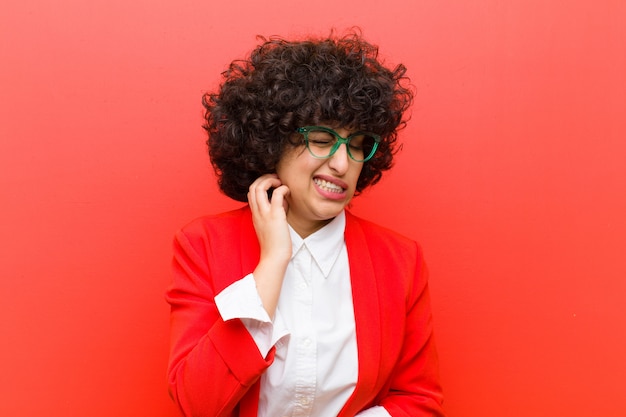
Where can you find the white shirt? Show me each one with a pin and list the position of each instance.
(315, 368)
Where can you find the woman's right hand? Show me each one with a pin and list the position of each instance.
(269, 217)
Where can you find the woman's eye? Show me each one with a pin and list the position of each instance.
(356, 143)
(323, 140)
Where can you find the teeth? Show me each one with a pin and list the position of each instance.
(328, 186)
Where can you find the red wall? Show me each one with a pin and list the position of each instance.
(513, 178)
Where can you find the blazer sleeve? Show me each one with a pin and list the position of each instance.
(213, 363)
(413, 388)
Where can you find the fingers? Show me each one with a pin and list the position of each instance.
(258, 197)
(257, 193)
(279, 197)
(270, 218)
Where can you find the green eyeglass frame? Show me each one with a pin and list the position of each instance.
(305, 130)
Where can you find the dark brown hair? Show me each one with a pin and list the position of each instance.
(284, 85)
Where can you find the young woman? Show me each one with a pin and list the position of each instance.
(292, 306)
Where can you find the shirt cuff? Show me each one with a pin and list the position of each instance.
(241, 300)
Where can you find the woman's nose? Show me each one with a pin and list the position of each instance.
(340, 160)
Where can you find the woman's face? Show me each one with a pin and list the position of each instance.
(319, 188)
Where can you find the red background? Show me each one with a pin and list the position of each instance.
(512, 176)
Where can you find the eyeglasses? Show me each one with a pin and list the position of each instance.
(322, 142)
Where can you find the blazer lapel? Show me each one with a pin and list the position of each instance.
(366, 314)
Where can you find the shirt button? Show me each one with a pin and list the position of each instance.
(306, 341)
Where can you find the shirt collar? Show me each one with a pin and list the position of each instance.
(324, 245)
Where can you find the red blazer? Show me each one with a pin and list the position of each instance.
(215, 366)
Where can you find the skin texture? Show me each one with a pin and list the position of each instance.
(298, 200)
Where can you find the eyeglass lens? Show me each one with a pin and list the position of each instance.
(322, 143)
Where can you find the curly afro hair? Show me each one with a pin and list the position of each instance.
(284, 85)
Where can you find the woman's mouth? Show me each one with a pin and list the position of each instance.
(328, 186)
